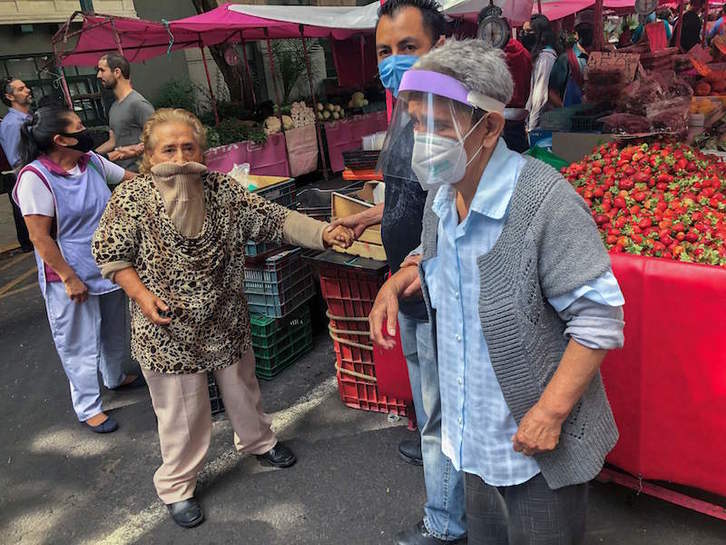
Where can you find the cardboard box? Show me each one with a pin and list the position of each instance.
(574, 146)
(369, 244)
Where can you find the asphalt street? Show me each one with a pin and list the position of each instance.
(61, 484)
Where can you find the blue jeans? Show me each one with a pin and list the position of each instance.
(444, 512)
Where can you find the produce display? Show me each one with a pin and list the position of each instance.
(358, 100)
(301, 114)
(713, 80)
(656, 102)
(330, 112)
(232, 130)
(663, 200)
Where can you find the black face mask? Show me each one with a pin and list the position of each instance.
(529, 40)
(85, 140)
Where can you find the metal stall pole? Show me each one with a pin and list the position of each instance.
(117, 39)
(363, 59)
(598, 30)
(681, 5)
(318, 131)
(243, 45)
(64, 82)
(209, 81)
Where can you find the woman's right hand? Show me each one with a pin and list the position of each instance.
(75, 288)
(150, 306)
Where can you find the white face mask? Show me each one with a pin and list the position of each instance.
(438, 160)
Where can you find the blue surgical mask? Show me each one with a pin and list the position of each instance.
(391, 70)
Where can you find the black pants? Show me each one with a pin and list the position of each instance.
(515, 135)
(20, 228)
(526, 514)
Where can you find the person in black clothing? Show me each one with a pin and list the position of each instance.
(690, 26)
(406, 30)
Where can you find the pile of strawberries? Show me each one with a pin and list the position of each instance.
(663, 200)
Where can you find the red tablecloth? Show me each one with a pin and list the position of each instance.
(347, 134)
(269, 159)
(667, 386)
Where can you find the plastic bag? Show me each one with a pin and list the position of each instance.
(241, 174)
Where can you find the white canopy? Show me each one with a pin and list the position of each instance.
(349, 18)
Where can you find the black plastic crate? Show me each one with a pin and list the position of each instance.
(283, 194)
(215, 395)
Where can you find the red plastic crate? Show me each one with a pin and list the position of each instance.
(360, 390)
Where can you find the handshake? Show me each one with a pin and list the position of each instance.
(338, 235)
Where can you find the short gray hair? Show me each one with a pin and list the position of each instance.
(479, 68)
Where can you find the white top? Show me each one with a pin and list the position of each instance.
(34, 197)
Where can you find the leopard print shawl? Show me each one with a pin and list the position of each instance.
(201, 278)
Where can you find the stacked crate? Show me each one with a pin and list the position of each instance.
(284, 194)
(350, 292)
(278, 291)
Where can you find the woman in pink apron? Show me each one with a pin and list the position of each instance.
(62, 192)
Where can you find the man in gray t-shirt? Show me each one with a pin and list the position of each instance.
(128, 113)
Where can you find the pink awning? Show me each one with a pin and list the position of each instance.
(142, 40)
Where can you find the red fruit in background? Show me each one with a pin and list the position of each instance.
(669, 199)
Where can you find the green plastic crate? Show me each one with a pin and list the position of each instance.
(268, 331)
(547, 157)
(268, 368)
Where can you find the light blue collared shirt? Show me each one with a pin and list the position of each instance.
(10, 135)
(477, 425)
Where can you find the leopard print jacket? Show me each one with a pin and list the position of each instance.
(201, 279)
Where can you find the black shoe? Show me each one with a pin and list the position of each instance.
(419, 535)
(410, 451)
(186, 513)
(278, 456)
(107, 426)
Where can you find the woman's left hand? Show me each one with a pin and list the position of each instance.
(539, 431)
(339, 236)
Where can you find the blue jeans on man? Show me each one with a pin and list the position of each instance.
(444, 512)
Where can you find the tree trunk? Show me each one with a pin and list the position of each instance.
(233, 75)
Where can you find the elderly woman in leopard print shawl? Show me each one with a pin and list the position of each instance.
(173, 239)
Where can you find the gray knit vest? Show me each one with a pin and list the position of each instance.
(549, 246)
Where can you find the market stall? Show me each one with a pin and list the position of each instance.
(140, 40)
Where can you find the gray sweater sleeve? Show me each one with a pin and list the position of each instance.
(595, 326)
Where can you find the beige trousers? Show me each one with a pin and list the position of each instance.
(181, 404)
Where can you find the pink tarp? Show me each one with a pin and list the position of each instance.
(269, 159)
(347, 134)
(142, 40)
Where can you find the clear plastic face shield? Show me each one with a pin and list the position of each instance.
(430, 139)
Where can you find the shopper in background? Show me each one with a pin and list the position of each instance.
(519, 62)
(406, 30)
(174, 241)
(128, 113)
(526, 305)
(62, 193)
(18, 98)
(719, 26)
(567, 78)
(539, 33)
(691, 25)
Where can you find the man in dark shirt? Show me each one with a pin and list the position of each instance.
(406, 30)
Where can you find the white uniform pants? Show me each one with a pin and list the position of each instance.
(89, 337)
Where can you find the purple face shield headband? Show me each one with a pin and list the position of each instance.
(427, 81)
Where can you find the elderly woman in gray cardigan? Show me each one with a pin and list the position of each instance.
(524, 302)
